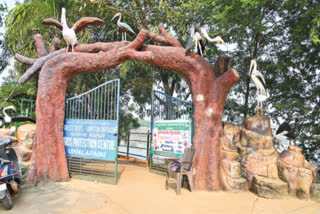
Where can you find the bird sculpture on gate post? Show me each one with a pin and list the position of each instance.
(69, 34)
(197, 40)
(7, 120)
(260, 83)
(125, 28)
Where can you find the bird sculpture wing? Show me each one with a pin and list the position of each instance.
(23, 119)
(202, 47)
(128, 28)
(260, 76)
(261, 79)
(190, 43)
(285, 127)
(85, 21)
(54, 22)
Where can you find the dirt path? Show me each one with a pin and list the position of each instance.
(141, 192)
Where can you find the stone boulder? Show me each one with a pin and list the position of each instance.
(230, 159)
(25, 136)
(7, 132)
(253, 162)
(257, 164)
(296, 171)
(269, 188)
(315, 191)
(258, 154)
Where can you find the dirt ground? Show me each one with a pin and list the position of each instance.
(142, 192)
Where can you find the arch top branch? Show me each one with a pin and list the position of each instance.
(44, 56)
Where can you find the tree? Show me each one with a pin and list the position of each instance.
(210, 92)
(282, 36)
(3, 53)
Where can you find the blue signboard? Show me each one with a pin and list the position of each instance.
(94, 139)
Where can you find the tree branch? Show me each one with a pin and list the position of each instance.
(228, 78)
(165, 39)
(221, 65)
(41, 48)
(37, 66)
(94, 48)
(139, 40)
(55, 45)
(24, 59)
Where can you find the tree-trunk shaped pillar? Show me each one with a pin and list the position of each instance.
(209, 87)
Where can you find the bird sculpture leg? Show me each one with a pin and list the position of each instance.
(125, 36)
(67, 48)
(200, 48)
(72, 46)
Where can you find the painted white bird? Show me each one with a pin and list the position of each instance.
(69, 34)
(197, 39)
(284, 134)
(6, 120)
(260, 99)
(260, 83)
(124, 27)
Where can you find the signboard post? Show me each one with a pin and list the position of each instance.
(93, 139)
(171, 137)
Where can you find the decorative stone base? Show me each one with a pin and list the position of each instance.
(254, 162)
(236, 184)
(315, 191)
(269, 188)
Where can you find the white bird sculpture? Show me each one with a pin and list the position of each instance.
(260, 99)
(124, 27)
(197, 39)
(6, 119)
(284, 134)
(260, 83)
(69, 34)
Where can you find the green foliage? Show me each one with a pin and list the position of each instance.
(4, 50)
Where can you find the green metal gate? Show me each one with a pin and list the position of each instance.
(165, 108)
(91, 133)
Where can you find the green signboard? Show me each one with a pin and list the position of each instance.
(171, 137)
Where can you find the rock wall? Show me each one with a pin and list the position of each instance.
(230, 159)
(25, 137)
(296, 171)
(249, 160)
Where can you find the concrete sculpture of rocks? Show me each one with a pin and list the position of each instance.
(254, 159)
(25, 136)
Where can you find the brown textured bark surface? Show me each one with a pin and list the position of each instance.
(209, 94)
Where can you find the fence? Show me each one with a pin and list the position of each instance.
(165, 107)
(137, 145)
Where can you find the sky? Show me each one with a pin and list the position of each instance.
(10, 4)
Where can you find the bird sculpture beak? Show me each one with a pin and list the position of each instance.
(251, 65)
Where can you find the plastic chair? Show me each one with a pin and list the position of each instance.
(186, 165)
